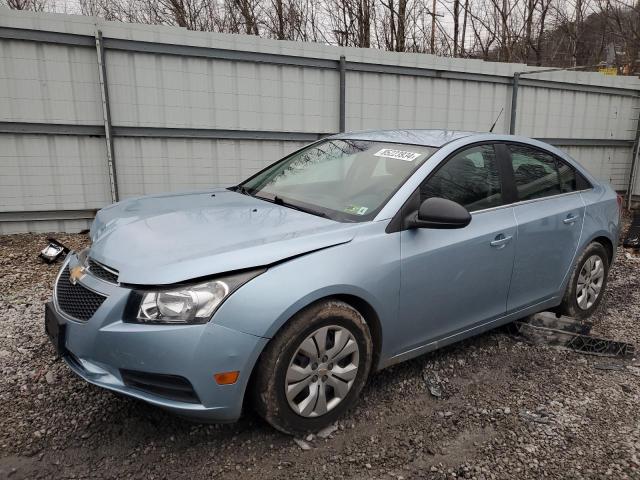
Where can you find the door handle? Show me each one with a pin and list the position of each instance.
(501, 240)
(570, 219)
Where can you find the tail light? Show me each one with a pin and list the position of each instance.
(620, 199)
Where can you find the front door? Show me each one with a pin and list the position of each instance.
(453, 280)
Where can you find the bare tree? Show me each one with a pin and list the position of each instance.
(569, 19)
(537, 45)
(464, 27)
(623, 26)
(397, 18)
(484, 28)
(544, 32)
(456, 26)
(248, 10)
(35, 5)
(350, 21)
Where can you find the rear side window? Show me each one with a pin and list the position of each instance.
(539, 174)
(469, 178)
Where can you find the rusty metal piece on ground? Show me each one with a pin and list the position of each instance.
(570, 333)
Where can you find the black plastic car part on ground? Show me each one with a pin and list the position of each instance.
(632, 240)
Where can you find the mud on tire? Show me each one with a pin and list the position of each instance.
(269, 388)
(570, 305)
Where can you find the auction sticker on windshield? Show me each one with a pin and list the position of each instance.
(397, 154)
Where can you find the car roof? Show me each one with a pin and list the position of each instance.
(430, 138)
(439, 138)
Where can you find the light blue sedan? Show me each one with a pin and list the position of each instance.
(354, 253)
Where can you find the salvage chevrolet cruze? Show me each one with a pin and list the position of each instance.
(352, 254)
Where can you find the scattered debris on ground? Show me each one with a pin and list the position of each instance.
(433, 384)
(506, 408)
(546, 327)
(326, 432)
(54, 250)
(632, 238)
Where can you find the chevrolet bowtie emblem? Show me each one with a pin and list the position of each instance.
(76, 273)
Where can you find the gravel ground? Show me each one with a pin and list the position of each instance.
(508, 409)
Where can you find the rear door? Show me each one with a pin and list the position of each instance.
(549, 213)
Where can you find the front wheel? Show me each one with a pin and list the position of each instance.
(587, 284)
(314, 369)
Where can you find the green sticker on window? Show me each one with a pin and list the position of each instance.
(356, 210)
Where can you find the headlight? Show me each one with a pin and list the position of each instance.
(187, 304)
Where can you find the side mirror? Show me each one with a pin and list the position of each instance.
(440, 213)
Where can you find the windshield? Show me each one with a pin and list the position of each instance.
(345, 180)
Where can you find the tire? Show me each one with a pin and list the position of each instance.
(571, 306)
(284, 362)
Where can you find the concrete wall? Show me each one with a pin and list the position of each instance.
(192, 109)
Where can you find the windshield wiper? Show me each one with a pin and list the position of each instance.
(243, 190)
(280, 201)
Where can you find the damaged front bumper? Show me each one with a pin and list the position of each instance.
(170, 366)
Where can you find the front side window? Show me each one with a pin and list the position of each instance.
(345, 180)
(539, 174)
(470, 178)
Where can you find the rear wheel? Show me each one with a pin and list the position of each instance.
(587, 284)
(314, 369)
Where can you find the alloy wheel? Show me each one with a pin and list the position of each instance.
(590, 282)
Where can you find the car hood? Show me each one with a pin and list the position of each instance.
(165, 239)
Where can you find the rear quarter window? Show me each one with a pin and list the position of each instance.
(540, 174)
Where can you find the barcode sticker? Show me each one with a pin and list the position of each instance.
(397, 154)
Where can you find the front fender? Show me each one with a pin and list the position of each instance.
(367, 267)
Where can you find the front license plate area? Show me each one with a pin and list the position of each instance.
(54, 328)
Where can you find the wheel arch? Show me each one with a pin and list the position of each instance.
(362, 306)
(372, 319)
(602, 237)
(607, 244)
(567, 304)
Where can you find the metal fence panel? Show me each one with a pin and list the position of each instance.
(194, 109)
(377, 101)
(171, 91)
(43, 226)
(48, 83)
(149, 165)
(52, 172)
(606, 163)
(545, 113)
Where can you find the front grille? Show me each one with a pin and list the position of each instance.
(103, 273)
(75, 300)
(171, 387)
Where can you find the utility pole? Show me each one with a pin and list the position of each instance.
(433, 28)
